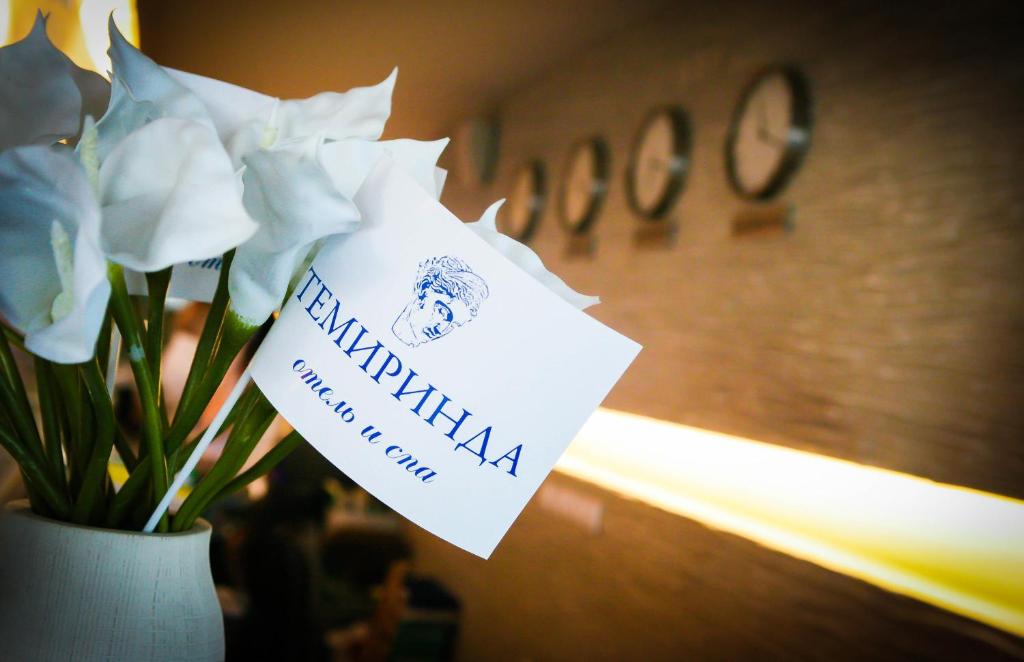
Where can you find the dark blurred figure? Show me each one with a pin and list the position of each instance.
(278, 563)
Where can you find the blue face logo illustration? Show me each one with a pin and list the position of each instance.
(446, 295)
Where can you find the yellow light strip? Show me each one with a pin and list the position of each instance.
(77, 27)
(950, 546)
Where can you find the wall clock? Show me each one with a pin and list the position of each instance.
(770, 133)
(583, 185)
(476, 151)
(520, 217)
(659, 162)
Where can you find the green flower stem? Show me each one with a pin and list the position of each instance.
(86, 427)
(15, 399)
(103, 341)
(96, 471)
(249, 397)
(271, 459)
(125, 450)
(180, 455)
(123, 501)
(243, 438)
(71, 420)
(152, 431)
(14, 448)
(127, 497)
(23, 424)
(157, 282)
(14, 338)
(37, 481)
(234, 334)
(133, 489)
(48, 411)
(209, 335)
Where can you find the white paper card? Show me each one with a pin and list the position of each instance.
(432, 370)
(193, 281)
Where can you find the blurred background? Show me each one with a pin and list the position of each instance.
(811, 215)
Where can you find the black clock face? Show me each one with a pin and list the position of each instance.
(520, 217)
(659, 163)
(770, 133)
(583, 186)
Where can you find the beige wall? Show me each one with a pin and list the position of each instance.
(885, 328)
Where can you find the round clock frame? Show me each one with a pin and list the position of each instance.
(598, 187)
(797, 139)
(533, 169)
(678, 167)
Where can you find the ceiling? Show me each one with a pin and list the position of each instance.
(456, 59)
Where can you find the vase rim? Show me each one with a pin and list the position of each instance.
(21, 508)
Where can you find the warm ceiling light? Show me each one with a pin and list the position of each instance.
(957, 548)
(77, 27)
(5, 25)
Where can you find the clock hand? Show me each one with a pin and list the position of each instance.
(766, 136)
(762, 115)
(763, 132)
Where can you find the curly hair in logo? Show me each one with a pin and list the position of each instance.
(446, 295)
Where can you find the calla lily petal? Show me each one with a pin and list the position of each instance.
(247, 120)
(169, 195)
(349, 161)
(298, 183)
(94, 90)
(231, 107)
(358, 113)
(440, 177)
(295, 202)
(49, 250)
(525, 258)
(146, 81)
(124, 114)
(43, 94)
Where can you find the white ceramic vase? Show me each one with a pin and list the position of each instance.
(79, 593)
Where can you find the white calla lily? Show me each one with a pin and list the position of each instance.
(44, 96)
(148, 82)
(348, 162)
(53, 274)
(292, 197)
(168, 189)
(152, 187)
(247, 120)
(301, 163)
(486, 228)
(141, 92)
(146, 207)
(167, 186)
(169, 195)
(301, 193)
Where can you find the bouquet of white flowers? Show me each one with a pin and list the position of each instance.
(177, 168)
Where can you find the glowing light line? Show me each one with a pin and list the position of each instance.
(950, 546)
